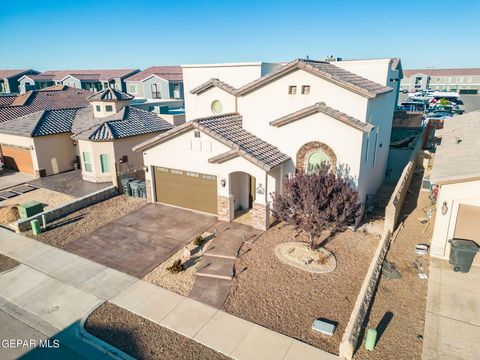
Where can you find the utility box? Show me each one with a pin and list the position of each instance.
(29, 209)
(462, 253)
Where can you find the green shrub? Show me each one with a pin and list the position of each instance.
(199, 240)
(176, 267)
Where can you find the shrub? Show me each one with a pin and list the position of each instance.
(317, 201)
(199, 240)
(176, 267)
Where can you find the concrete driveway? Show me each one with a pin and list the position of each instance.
(9, 178)
(141, 240)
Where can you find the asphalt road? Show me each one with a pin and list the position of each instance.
(472, 102)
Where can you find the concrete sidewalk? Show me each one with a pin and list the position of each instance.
(452, 324)
(60, 288)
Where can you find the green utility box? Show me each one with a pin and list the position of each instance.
(29, 209)
(462, 253)
(35, 227)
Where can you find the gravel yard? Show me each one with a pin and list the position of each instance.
(182, 282)
(7, 263)
(288, 300)
(81, 222)
(399, 304)
(142, 338)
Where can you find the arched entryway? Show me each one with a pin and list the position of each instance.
(313, 154)
(242, 188)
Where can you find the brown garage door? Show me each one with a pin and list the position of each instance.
(17, 158)
(186, 189)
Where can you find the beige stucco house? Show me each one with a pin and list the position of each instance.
(250, 125)
(98, 137)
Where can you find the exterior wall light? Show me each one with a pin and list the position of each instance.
(444, 208)
(223, 182)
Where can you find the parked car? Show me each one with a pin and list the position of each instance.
(2, 163)
(437, 119)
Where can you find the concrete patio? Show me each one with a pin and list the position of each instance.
(10, 178)
(452, 324)
(53, 289)
(70, 183)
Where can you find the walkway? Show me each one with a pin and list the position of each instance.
(55, 289)
(216, 267)
(452, 325)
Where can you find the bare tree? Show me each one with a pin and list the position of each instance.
(316, 202)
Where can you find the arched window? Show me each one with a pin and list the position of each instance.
(316, 159)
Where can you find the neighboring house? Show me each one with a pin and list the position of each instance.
(452, 326)
(157, 82)
(9, 79)
(456, 171)
(35, 82)
(100, 137)
(52, 98)
(92, 80)
(243, 139)
(464, 80)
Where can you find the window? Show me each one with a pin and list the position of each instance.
(306, 89)
(217, 107)
(87, 163)
(292, 89)
(104, 165)
(132, 88)
(196, 133)
(366, 147)
(316, 159)
(97, 108)
(469, 79)
(460, 79)
(375, 146)
(109, 108)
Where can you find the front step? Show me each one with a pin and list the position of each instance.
(216, 267)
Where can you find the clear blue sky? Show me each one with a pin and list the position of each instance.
(56, 34)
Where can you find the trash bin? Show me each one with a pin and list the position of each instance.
(462, 253)
(142, 189)
(134, 186)
(35, 227)
(126, 186)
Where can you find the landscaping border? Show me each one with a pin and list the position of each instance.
(65, 209)
(392, 213)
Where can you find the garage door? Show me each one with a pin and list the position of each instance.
(17, 158)
(186, 189)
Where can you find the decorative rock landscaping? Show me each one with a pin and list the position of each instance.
(300, 255)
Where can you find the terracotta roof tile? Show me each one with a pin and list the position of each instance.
(169, 73)
(109, 94)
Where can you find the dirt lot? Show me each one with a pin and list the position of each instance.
(79, 223)
(182, 282)
(142, 338)
(7, 263)
(287, 299)
(398, 311)
(48, 198)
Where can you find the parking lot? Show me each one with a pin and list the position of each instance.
(472, 102)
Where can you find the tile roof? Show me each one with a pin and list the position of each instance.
(211, 83)
(104, 75)
(85, 77)
(129, 121)
(324, 70)
(8, 73)
(109, 94)
(55, 97)
(323, 108)
(40, 77)
(40, 123)
(443, 72)
(227, 129)
(457, 158)
(169, 73)
(7, 99)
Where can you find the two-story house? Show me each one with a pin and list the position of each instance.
(93, 80)
(9, 79)
(253, 124)
(157, 82)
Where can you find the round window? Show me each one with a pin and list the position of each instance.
(316, 159)
(217, 107)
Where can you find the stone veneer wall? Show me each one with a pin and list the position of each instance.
(314, 145)
(225, 208)
(260, 216)
(148, 189)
